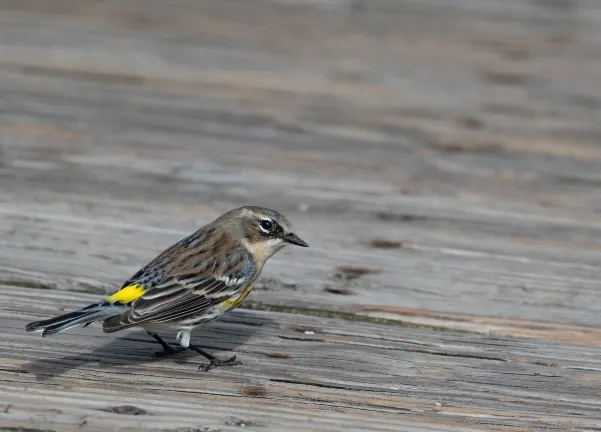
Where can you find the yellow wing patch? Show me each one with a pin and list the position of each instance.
(127, 294)
(232, 302)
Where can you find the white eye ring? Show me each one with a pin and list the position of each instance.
(266, 225)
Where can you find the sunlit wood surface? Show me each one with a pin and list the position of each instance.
(442, 159)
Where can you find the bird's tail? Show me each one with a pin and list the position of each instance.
(94, 312)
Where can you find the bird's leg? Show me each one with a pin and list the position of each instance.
(183, 338)
(213, 361)
(168, 349)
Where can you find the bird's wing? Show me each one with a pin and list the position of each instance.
(184, 296)
(178, 297)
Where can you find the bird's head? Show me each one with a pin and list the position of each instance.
(264, 231)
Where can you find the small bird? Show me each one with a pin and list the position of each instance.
(191, 283)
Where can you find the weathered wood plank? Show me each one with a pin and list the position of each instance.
(448, 148)
(362, 375)
(458, 257)
(140, 125)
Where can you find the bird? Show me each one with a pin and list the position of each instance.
(191, 283)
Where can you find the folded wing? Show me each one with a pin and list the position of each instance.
(177, 299)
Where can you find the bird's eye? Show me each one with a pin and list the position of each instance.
(266, 224)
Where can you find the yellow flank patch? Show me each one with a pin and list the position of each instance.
(232, 302)
(126, 294)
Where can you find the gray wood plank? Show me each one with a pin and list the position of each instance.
(448, 149)
(296, 369)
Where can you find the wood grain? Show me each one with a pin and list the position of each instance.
(334, 375)
(464, 133)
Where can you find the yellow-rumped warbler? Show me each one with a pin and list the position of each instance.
(191, 283)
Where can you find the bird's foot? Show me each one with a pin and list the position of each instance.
(215, 362)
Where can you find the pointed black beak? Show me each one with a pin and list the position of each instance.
(295, 240)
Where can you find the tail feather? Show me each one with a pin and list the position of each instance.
(85, 316)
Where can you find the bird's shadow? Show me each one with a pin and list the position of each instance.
(219, 338)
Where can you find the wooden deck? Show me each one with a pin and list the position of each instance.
(442, 159)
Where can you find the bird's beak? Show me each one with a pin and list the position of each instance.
(295, 240)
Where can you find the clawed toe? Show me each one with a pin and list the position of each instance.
(217, 362)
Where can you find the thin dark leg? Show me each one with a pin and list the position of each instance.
(168, 349)
(214, 361)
